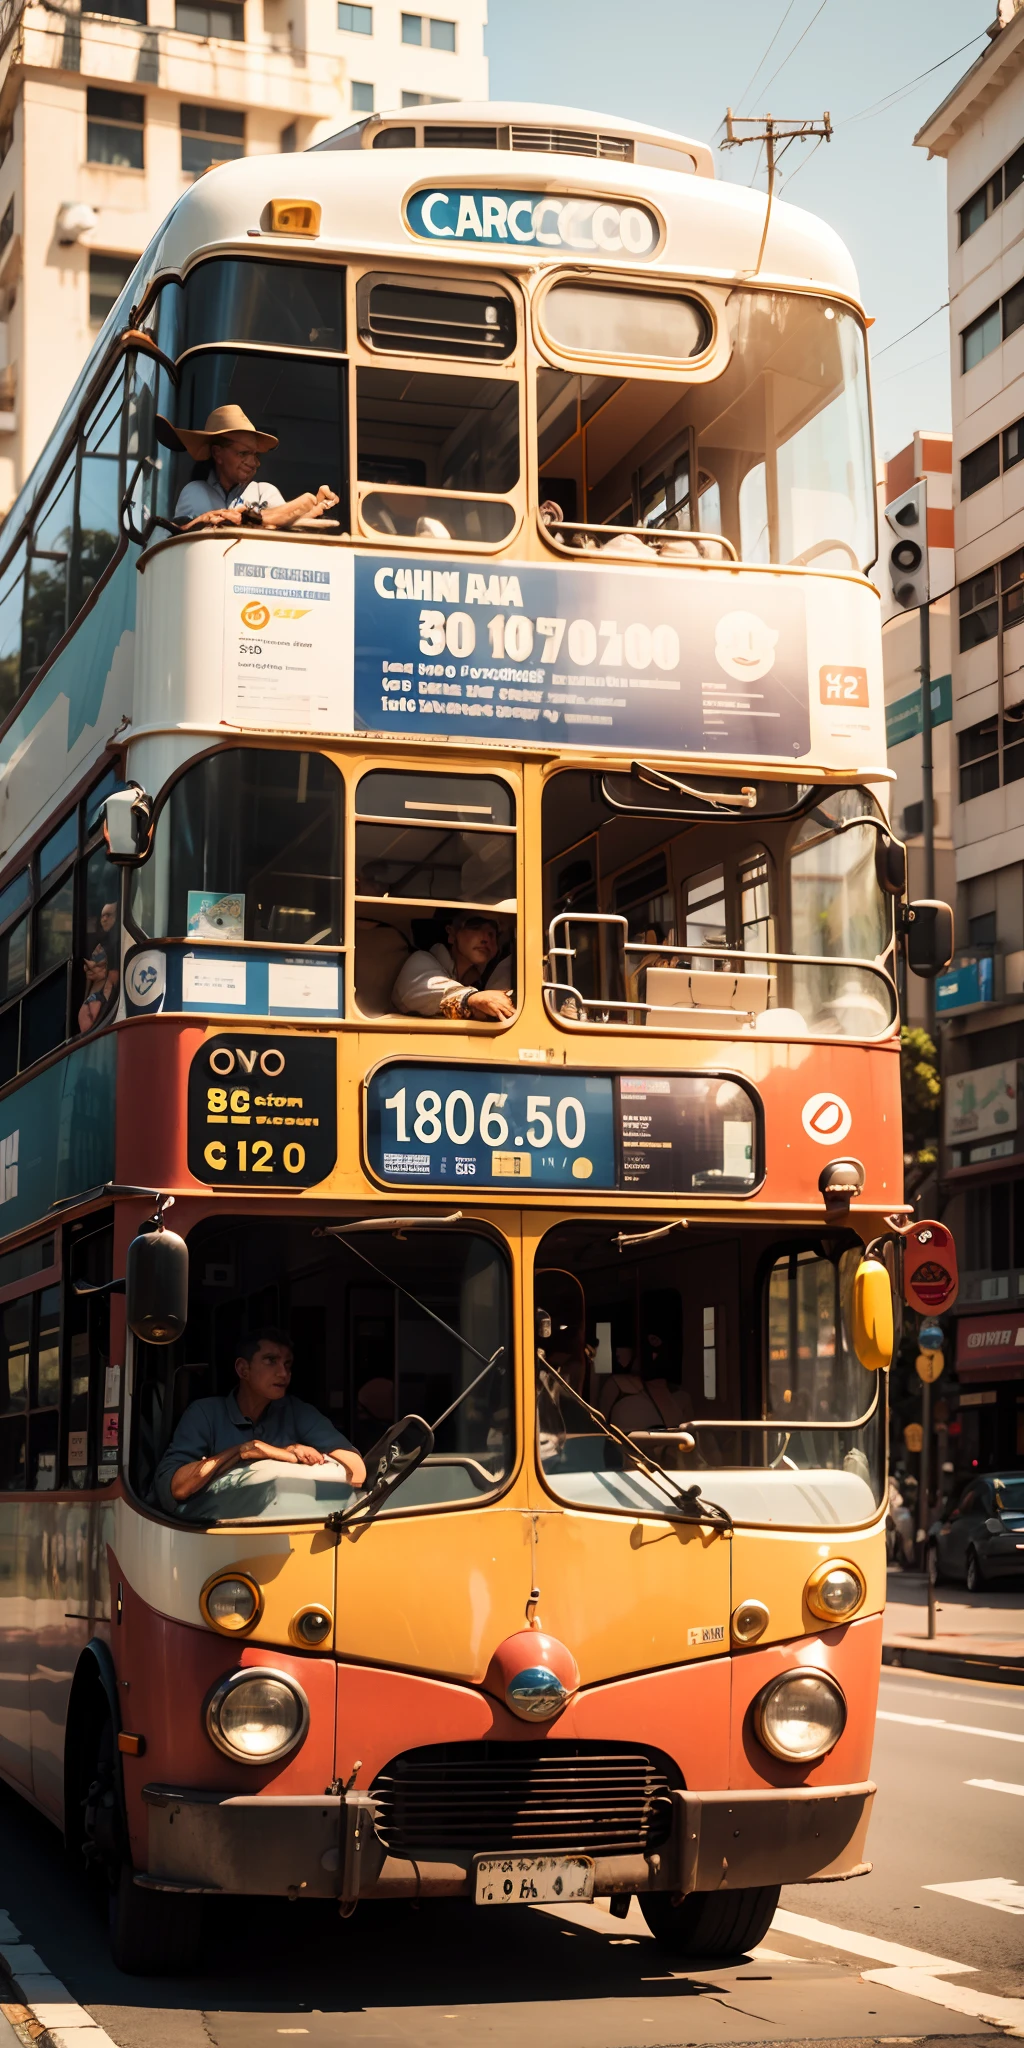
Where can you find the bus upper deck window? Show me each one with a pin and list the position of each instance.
(595, 321)
(427, 845)
(247, 846)
(476, 321)
(287, 305)
(423, 436)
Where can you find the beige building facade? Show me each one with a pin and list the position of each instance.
(978, 130)
(107, 117)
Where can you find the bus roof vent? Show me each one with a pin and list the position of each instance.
(573, 142)
(459, 137)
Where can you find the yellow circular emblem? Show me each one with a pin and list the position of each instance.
(256, 616)
(582, 1169)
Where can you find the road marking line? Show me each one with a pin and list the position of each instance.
(962, 1998)
(877, 1951)
(964, 1699)
(953, 1727)
(995, 1785)
(1003, 1893)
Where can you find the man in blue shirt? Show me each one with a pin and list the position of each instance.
(230, 495)
(260, 1419)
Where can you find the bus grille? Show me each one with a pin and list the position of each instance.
(482, 1798)
(573, 142)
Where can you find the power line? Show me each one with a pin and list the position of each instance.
(908, 367)
(818, 10)
(767, 54)
(876, 353)
(803, 165)
(881, 106)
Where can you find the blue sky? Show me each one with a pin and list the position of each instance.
(680, 65)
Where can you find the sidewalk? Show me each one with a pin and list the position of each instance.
(977, 1635)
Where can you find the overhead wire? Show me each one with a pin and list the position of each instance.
(804, 31)
(751, 81)
(890, 98)
(876, 353)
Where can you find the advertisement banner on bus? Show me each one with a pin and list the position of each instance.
(619, 658)
(57, 1134)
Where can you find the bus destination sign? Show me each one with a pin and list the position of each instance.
(533, 220)
(649, 1133)
(262, 1111)
(628, 658)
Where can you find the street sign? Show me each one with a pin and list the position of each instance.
(913, 1436)
(930, 1337)
(929, 1365)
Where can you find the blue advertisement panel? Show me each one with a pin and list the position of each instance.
(232, 981)
(633, 659)
(453, 1126)
(57, 1134)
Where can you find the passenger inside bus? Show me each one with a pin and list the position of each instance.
(102, 975)
(461, 976)
(260, 1419)
(224, 491)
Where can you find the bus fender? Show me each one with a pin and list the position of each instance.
(94, 1675)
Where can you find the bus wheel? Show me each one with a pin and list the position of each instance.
(711, 1923)
(151, 1933)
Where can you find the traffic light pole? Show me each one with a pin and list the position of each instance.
(927, 790)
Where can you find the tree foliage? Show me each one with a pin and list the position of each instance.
(922, 1095)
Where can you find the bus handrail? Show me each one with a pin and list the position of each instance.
(700, 952)
(555, 528)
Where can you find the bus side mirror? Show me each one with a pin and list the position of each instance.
(872, 1330)
(929, 930)
(890, 864)
(156, 1284)
(127, 825)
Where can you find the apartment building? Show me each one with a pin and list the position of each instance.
(978, 130)
(107, 114)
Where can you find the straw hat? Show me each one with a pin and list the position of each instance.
(224, 420)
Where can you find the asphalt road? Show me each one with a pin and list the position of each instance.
(886, 1958)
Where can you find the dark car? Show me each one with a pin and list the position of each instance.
(981, 1538)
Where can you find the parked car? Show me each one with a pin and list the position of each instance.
(981, 1536)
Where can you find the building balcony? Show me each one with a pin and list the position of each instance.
(268, 71)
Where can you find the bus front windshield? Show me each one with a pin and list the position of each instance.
(378, 1326)
(774, 452)
(724, 1355)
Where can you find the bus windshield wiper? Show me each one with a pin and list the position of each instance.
(691, 1503)
(393, 1464)
(742, 799)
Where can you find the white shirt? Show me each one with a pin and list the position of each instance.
(427, 978)
(211, 496)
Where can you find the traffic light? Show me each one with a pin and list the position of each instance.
(907, 520)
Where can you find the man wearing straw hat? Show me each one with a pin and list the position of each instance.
(229, 494)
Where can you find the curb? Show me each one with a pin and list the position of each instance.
(955, 1664)
(41, 2012)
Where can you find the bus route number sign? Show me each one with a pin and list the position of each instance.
(466, 1126)
(262, 1111)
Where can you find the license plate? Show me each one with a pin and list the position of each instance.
(533, 1880)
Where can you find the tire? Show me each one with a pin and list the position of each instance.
(976, 1579)
(711, 1923)
(153, 1934)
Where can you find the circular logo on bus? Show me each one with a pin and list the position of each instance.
(255, 616)
(145, 979)
(826, 1119)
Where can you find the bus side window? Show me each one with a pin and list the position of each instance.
(427, 845)
(29, 1391)
(89, 1256)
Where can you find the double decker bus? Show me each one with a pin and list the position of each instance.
(586, 659)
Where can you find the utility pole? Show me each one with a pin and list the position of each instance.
(771, 132)
(927, 790)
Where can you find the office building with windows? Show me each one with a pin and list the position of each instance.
(977, 130)
(108, 114)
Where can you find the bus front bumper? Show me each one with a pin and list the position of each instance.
(327, 1847)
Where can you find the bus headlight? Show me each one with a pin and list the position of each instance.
(257, 1716)
(835, 1591)
(232, 1602)
(800, 1716)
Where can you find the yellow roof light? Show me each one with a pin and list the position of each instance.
(294, 217)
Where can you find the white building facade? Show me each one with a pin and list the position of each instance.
(108, 115)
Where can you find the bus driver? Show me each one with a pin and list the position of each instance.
(229, 495)
(261, 1419)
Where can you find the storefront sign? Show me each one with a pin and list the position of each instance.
(653, 1134)
(966, 986)
(991, 1347)
(930, 1278)
(628, 659)
(981, 1103)
(262, 1111)
(533, 220)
